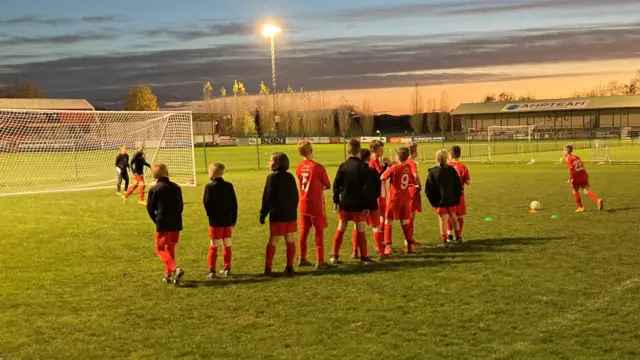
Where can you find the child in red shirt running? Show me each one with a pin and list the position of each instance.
(465, 178)
(444, 190)
(280, 203)
(313, 180)
(401, 179)
(579, 179)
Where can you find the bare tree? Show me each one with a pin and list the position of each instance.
(417, 110)
(366, 118)
(489, 98)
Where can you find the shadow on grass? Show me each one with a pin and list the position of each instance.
(619, 210)
(340, 270)
(514, 241)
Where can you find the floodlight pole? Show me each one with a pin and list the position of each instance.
(273, 73)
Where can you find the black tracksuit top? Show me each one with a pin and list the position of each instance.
(165, 205)
(443, 187)
(350, 186)
(220, 203)
(280, 197)
(122, 161)
(138, 162)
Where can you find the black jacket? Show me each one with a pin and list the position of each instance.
(122, 162)
(280, 198)
(350, 186)
(165, 205)
(138, 162)
(443, 187)
(373, 187)
(221, 203)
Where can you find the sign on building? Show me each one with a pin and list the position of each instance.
(544, 106)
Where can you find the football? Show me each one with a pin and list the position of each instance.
(535, 205)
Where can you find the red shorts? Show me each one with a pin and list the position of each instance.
(374, 218)
(318, 222)
(399, 211)
(282, 228)
(461, 210)
(352, 216)
(138, 178)
(578, 184)
(416, 203)
(219, 233)
(446, 211)
(167, 237)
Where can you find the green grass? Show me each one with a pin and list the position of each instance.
(81, 279)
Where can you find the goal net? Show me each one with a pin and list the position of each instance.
(511, 143)
(51, 151)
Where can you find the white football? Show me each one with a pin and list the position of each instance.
(535, 205)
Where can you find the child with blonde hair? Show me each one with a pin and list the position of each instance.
(444, 189)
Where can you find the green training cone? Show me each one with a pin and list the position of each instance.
(554, 216)
(488, 219)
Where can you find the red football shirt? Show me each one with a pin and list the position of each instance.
(313, 180)
(462, 171)
(401, 179)
(577, 171)
(413, 190)
(376, 163)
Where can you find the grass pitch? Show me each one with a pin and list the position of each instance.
(81, 279)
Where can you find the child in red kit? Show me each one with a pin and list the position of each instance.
(313, 180)
(444, 189)
(579, 179)
(221, 205)
(165, 209)
(414, 191)
(280, 204)
(465, 178)
(138, 162)
(401, 179)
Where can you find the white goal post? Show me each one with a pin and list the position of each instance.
(511, 133)
(52, 151)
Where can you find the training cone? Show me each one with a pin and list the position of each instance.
(532, 211)
(554, 216)
(488, 219)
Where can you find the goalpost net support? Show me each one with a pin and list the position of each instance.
(52, 151)
(501, 142)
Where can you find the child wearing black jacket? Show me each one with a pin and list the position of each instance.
(221, 205)
(444, 189)
(374, 189)
(165, 209)
(280, 203)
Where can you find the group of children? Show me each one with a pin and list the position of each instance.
(360, 195)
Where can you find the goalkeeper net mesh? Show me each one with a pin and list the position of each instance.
(51, 151)
(511, 143)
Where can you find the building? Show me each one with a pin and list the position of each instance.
(46, 104)
(610, 115)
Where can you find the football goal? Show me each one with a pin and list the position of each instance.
(507, 143)
(52, 151)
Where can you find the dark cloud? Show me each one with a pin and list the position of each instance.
(33, 19)
(402, 10)
(327, 64)
(55, 40)
(208, 31)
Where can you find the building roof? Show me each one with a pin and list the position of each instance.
(585, 103)
(46, 104)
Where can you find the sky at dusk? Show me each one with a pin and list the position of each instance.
(96, 50)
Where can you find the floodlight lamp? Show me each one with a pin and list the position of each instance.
(269, 30)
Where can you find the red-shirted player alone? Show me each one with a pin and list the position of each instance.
(579, 179)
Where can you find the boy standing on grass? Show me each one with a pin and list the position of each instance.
(138, 162)
(444, 189)
(414, 191)
(221, 205)
(350, 201)
(401, 179)
(280, 203)
(313, 180)
(122, 165)
(579, 179)
(165, 209)
(465, 179)
(373, 185)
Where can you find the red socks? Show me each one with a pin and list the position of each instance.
(171, 248)
(226, 254)
(443, 237)
(355, 241)
(362, 244)
(592, 196)
(387, 234)
(378, 237)
(319, 246)
(212, 258)
(578, 200)
(131, 189)
(302, 240)
(271, 252)
(337, 242)
(460, 223)
(291, 253)
(449, 225)
(142, 192)
(406, 230)
(167, 259)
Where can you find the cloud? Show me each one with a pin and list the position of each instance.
(33, 19)
(214, 30)
(55, 40)
(330, 64)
